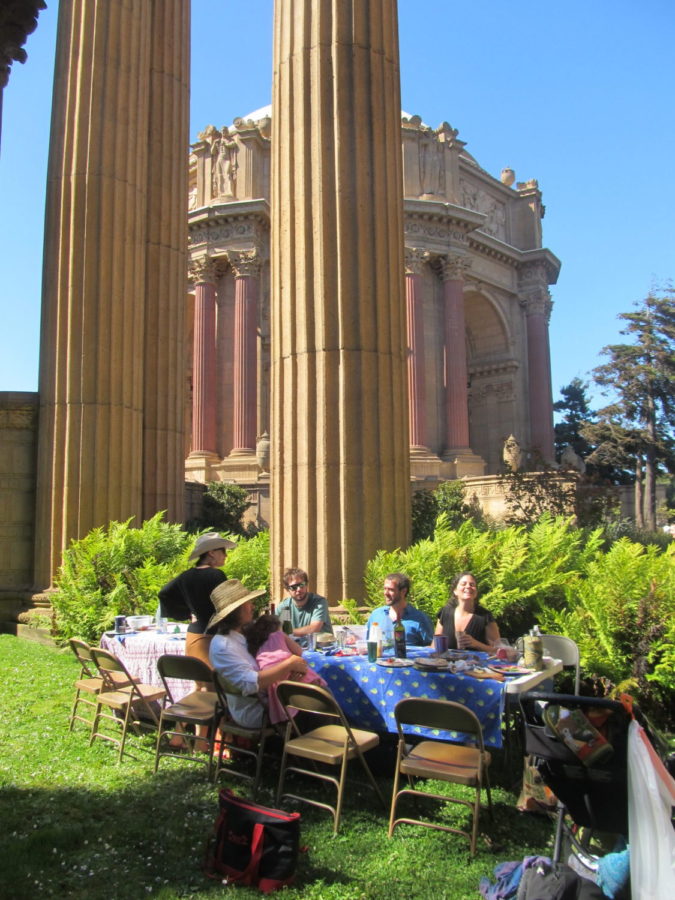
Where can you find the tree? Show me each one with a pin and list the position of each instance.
(577, 412)
(223, 506)
(638, 426)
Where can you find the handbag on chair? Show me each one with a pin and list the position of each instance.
(253, 845)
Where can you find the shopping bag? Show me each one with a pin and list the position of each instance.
(253, 845)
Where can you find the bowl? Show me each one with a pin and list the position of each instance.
(139, 623)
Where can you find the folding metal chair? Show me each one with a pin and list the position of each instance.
(237, 742)
(87, 685)
(333, 744)
(465, 763)
(129, 703)
(199, 709)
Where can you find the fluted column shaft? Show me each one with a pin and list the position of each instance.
(166, 252)
(339, 424)
(537, 304)
(456, 372)
(414, 262)
(246, 267)
(204, 359)
(119, 68)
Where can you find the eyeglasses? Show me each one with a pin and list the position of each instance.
(295, 587)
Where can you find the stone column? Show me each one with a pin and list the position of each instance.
(120, 87)
(457, 442)
(339, 421)
(415, 260)
(246, 268)
(165, 350)
(537, 304)
(202, 272)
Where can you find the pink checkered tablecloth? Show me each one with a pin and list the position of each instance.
(140, 651)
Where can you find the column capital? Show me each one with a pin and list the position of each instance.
(245, 262)
(536, 301)
(415, 260)
(202, 270)
(454, 266)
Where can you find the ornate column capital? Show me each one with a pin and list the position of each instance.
(202, 270)
(415, 260)
(536, 301)
(245, 262)
(454, 266)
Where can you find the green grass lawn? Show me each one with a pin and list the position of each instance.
(77, 824)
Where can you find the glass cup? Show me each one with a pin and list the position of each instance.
(440, 644)
(341, 635)
(372, 651)
(311, 641)
(161, 625)
(459, 635)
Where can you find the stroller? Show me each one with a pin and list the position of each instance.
(594, 791)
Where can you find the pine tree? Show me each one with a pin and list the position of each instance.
(638, 427)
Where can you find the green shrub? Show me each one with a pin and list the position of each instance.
(250, 563)
(116, 570)
(223, 506)
(621, 613)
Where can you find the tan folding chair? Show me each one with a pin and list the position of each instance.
(129, 703)
(87, 685)
(465, 763)
(236, 741)
(198, 709)
(333, 744)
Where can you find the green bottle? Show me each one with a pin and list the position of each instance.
(399, 639)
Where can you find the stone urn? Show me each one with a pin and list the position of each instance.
(507, 177)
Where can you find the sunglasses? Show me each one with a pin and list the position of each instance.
(295, 587)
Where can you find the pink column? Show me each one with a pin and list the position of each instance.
(202, 273)
(456, 373)
(414, 261)
(246, 268)
(537, 308)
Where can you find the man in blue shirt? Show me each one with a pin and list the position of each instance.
(418, 629)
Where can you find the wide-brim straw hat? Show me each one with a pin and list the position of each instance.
(210, 541)
(227, 597)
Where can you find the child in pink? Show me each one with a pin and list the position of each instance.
(268, 643)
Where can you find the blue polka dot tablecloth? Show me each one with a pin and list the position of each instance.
(368, 693)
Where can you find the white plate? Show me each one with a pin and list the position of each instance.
(429, 662)
(393, 663)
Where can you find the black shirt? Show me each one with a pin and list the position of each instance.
(190, 594)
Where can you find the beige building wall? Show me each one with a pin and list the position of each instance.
(18, 443)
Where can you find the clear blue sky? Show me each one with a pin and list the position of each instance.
(578, 94)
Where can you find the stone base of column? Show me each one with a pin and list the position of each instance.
(424, 464)
(201, 467)
(464, 463)
(240, 466)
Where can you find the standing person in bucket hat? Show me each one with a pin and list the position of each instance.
(229, 654)
(188, 596)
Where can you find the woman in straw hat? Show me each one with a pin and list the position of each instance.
(231, 658)
(188, 596)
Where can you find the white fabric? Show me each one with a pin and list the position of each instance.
(651, 795)
(229, 656)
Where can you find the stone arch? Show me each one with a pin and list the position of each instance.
(493, 368)
(487, 331)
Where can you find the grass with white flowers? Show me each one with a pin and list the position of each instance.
(76, 824)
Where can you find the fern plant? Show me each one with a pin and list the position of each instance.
(116, 570)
